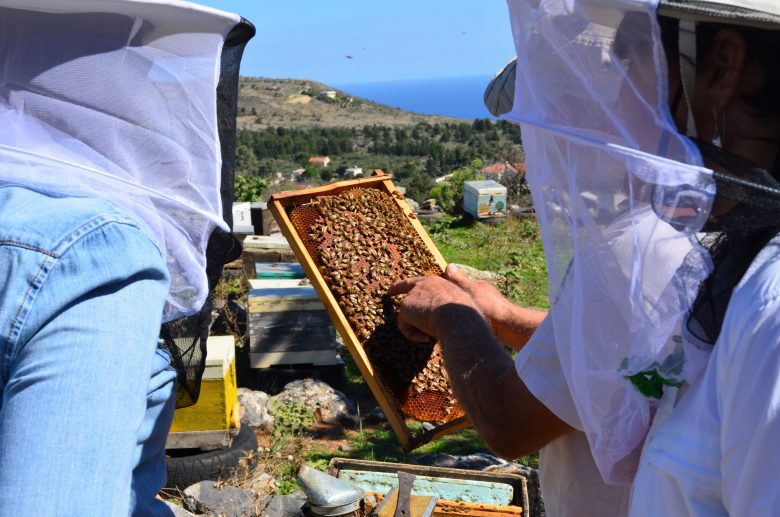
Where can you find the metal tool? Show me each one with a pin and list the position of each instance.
(329, 496)
(405, 482)
(400, 502)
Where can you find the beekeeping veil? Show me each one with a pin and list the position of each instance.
(620, 196)
(132, 101)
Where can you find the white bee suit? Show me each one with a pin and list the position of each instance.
(126, 113)
(619, 196)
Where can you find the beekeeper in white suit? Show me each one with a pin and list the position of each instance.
(652, 386)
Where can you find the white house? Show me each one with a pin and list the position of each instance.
(353, 171)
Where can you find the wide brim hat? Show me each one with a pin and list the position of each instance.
(764, 14)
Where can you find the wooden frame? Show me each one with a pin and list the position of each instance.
(279, 205)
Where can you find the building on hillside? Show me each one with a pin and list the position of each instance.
(353, 171)
(297, 173)
(322, 161)
(497, 171)
(330, 94)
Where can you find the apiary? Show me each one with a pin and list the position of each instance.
(288, 325)
(354, 239)
(484, 199)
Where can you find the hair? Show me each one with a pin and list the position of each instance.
(746, 229)
(763, 47)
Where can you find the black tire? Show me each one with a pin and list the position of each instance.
(187, 467)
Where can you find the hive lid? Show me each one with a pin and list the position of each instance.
(266, 242)
(278, 270)
(484, 186)
(220, 351)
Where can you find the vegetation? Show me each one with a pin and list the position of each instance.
(512, 248)
(415, 155)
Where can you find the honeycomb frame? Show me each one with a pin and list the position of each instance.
(282, 205)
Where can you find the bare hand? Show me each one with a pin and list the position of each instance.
(424, 307)
(492, 304)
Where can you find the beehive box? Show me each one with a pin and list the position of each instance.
(262, 249)
(288, 325)
(217, 407)
(354, 239)
(484, 199)
(460, 492)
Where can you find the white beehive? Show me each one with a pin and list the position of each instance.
(484, 199)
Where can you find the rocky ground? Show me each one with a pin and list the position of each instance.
(254, 490)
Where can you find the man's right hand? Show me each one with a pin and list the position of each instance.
(512, 325)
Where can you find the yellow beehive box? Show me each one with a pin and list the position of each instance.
(217, 407)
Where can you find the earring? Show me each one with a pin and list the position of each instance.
(716, 139)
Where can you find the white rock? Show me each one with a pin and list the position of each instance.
(329, 405)
(257, 409)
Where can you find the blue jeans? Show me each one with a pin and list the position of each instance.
(87, 397)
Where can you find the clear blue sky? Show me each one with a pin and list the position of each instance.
(389, 40)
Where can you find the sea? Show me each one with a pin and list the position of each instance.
(459, 97)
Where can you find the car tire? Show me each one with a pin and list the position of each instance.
(189, 466)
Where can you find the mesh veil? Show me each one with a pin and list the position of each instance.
(133, 101)
(117, 99)
(185, 338)
(619, 196)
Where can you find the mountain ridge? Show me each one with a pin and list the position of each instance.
(303, 103)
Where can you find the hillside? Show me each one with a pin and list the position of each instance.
(298, 103)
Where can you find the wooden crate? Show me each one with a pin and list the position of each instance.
(281, 205)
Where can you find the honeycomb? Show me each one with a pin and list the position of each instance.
(362, 243)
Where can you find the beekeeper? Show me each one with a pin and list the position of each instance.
(651, 132)
(111, 144)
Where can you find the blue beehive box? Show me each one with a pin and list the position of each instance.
(484, 199)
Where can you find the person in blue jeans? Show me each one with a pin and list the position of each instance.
(115, 118)
(87, 394)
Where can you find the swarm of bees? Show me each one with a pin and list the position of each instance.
(362, 243)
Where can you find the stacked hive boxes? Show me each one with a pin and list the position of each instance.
(288, 325)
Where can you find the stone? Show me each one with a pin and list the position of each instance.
(262, 484)
(477, 274)
(477, 461)
(178, 511)
(531, 476)
(228, 501)
(329, 406)
(284, 506)
(376, 416)
(413, 205)
(257, 409)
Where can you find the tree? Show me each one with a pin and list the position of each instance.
(249, 188)
(247, 163)
(418, 186)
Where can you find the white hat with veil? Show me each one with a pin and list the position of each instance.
(118, 99)
(619, 196)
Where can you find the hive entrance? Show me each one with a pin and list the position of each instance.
(362, 243)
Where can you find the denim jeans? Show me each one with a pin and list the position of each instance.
(87, 396)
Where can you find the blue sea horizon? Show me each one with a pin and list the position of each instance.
(459, 97)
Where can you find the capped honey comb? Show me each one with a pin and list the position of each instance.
(362, 243)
